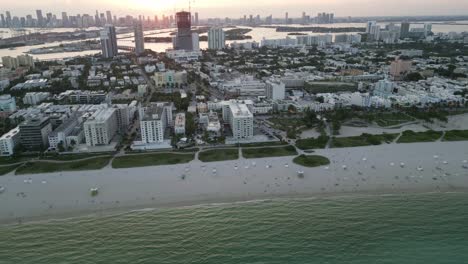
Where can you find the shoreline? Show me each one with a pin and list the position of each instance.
(369, 170)
(110, 212)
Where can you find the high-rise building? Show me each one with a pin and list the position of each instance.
(399, 68)
(9, 141)
(8, 19)
(196, 19)
(101, 127)
(153, 124)
(65, 22)
(109, 42)
(109, 18)
(275, 90)
(2, 20)
(97, 20)
(427, 29)
(216, 38)
(240, 119)
(10, 62)
(286, 21)
(34, 133)
(195, 41)
(404, 30)
(369, 26)
(139, 38)
(40, 18)
(183, 39)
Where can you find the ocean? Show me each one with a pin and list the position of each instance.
(403, 228)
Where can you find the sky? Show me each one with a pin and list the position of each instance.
(237, 8)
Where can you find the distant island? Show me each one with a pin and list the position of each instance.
(318, 29)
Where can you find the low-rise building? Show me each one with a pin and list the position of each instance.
(7, 104)
(35, 98)
(170, 78)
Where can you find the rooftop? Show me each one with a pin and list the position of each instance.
(101, 115)
(153, 113)
(239, 110)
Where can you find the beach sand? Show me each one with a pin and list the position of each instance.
(375, 169)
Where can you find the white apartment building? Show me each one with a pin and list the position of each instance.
(279, 43)
(240, 119)
(179, 124)
(275, 90)
(319, 40)
(216, 38)
(183, 55)
(101, 127)
(153, 125)
(8, 142)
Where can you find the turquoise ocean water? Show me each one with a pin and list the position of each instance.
(416, 228)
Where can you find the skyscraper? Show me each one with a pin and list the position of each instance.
(65, 22)
(196, 19)
(183, 40)
(8, 19)
(139, 39)
(97, 20)
(427, 29)
(369, 26)
(216, 38)
(195, 41)
(109, 42)
(286, 18)
(40, 18)
(2, 20)
(109, 17)
(404, 31)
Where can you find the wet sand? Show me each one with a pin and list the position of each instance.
(427, 167)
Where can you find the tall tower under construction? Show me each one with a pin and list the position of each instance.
(183, 39)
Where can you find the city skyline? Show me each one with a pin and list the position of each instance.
(342, 8)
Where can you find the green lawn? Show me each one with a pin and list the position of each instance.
(252, 153)
(67, 157)
(311, 161)
(218, 155)
(48, 167)
(291, 125)
(7, 169)
(456, 135)
(156, 159)
(363, 140)
(411, 136)
(312, 143)
(264, 144)
(11, 160)
(392, 119)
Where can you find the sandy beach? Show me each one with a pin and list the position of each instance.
(427, 167)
